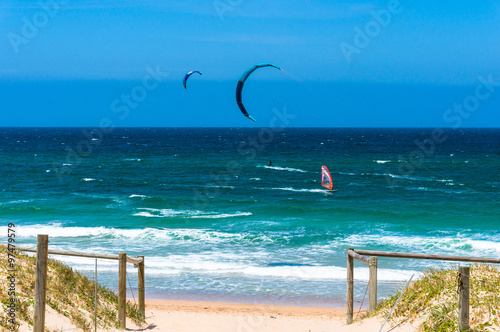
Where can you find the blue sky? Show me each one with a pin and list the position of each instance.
(422, 58)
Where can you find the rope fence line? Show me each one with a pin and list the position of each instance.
(463, 277)
(131, 289)
(42, 253)
(370, 257)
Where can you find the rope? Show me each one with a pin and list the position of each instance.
(465, 186)
(296, 78)
(364, 296)
(131, 290)
(404, 320)
(357, 288)
(339, 103)
(395, 304)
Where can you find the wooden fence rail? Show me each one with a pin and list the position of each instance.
(130, 259)
(41, 278)
(370, 257)
(427, 256)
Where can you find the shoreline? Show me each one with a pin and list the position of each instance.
(244, 308)
(256, 299)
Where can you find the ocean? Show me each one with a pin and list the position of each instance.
(239, 214)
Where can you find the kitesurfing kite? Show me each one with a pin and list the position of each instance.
(326, 178)
(187, 76)
(242, 80)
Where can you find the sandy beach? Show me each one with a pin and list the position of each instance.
(191, 316)
(184, 316)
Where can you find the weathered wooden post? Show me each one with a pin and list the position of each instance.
(350, 286)
(140, 280)
(95, 297)
(372, 298)
(42, 248)
(463, 298)
(122, 289)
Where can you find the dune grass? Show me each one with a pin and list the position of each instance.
(69, 292)
(432, 301)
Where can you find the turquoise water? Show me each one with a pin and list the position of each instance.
(216, 222)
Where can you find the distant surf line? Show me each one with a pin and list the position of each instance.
(289, 169)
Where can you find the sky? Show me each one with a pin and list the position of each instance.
(395, 63)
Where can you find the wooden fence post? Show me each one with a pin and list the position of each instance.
(141, 284)
(42, 246)
(122, 289)
(372, 297)
(463, 298)
(350, 287)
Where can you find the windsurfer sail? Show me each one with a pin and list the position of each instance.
(326, 178)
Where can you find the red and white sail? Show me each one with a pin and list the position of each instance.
(326, 178)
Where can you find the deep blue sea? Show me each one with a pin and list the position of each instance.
(216, 222)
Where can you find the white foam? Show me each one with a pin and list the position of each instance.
(88, 179)
(225, 215)
(233, 265)
(216, 186)
(255, 179)
(147, 215)
(344, 173)
(142, 196)
(453, 245)
(288, 169)
(326, 272)
(406, 177)
(18, 201)
(447, 191)
(323, 191)
(153, 235)
(167, 213)
(382, 161)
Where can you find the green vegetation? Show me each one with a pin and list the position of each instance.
(70, 293)
(432, 301)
